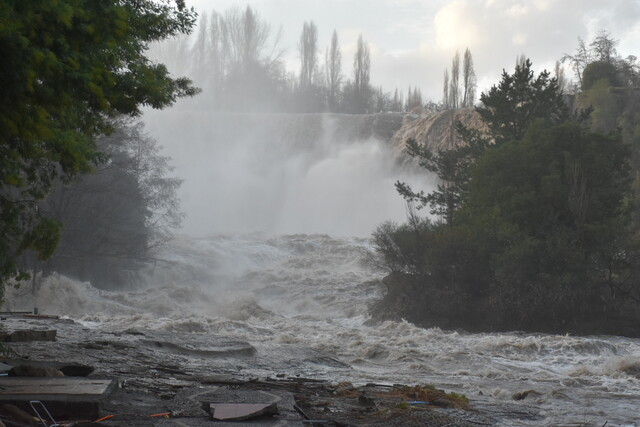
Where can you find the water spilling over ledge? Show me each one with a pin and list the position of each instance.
(285, 173)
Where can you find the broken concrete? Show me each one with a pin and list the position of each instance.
(239, 411)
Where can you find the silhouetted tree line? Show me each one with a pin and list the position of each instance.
(535, 222)
(114, 217)
(235, 58)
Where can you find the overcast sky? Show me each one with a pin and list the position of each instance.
(413, 41)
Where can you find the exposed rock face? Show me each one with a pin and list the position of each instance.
(436, 130)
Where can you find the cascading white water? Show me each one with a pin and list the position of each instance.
(301, 300)
(283, 173)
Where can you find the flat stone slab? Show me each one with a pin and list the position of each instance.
(65, 398)
(240, 411)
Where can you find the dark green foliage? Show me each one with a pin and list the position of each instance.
(558, 199)
(402, 248)
(68, 68)
(452, 168)
(538, 233)
(509, 108)
(597, 71)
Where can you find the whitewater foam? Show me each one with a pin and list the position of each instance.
(301, 302)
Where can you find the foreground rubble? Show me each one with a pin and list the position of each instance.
(127, 390)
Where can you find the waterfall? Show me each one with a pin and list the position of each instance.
(285, 173)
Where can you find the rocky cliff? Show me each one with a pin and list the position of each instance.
(436, 130)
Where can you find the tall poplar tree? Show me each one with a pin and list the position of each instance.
(333, 71)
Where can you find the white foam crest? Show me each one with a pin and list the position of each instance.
(60, 295)
(627, 368)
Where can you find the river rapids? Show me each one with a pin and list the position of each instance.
(257, 305)
(231, 301)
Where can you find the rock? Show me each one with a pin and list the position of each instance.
(365, 400)
(344, 388)
(434, 129)
(524, 394)
(34, 371)
(23, 335)
(239, 411)
(76, 370)
(443, 403)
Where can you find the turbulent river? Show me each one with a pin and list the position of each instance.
(276, 303)
(256, 305)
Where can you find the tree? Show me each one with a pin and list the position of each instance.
(446, 100)
(199, 57)
(599, 70)
(558, 199)
(308, 54)
(414, 99)
(578, 61)
(361, 75)
(253, 72)
(114, 217)
(311, 96)
(601, 49)
(453, 169)
(509, 108)
(397, 103)
(333, 71)
(558, 73)
(469, 82)
(454, 83)
(604, 47)
(537, 232)
(458, 94)
(217, 60)
(247, 37)
(74, 65)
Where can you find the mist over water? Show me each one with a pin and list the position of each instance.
(282, 173)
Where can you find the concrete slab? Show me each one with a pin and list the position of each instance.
(65, 398)
(240, 411)
(190, 407)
